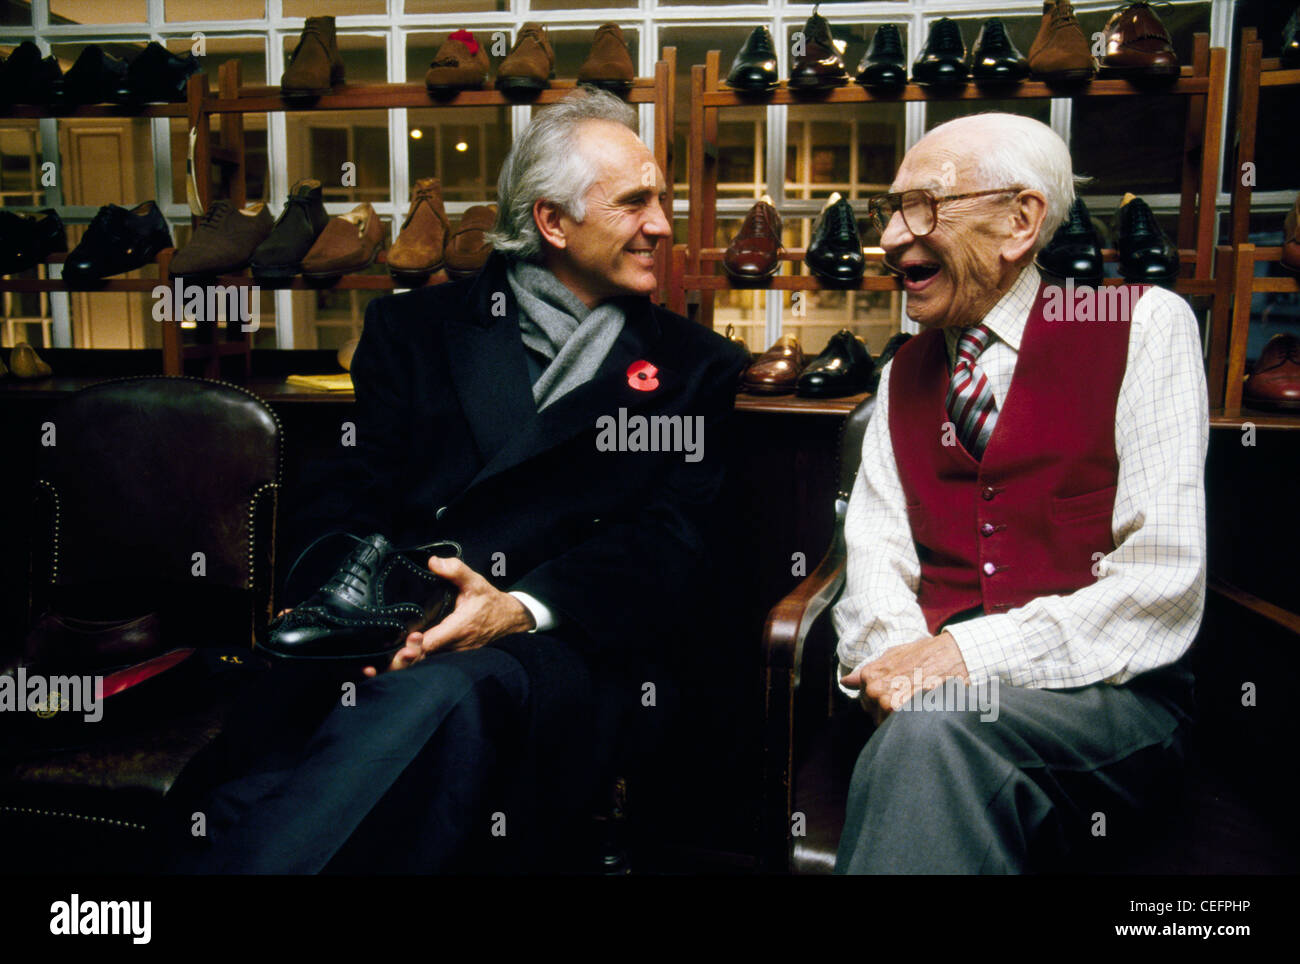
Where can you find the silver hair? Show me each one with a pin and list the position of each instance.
(544, 164)
(1029, 154)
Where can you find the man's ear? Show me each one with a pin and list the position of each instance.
(1027, 213)
(547, 215)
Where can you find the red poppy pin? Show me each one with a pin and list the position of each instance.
(641, 376)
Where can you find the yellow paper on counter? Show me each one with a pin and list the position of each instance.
(327, 383)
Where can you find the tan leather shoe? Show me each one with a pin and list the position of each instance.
(25, 363)
(609, 65)
(468, 248)
(530, 65)
(461, 63)
(418, 251)
(348, 244)
(315, 66)
(1060, 52)
(776, 370)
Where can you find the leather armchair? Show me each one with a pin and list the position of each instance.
(812, 738)
(156, 502)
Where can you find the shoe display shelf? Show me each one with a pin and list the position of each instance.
(697, 267)
(233, 99)
(1228, 341)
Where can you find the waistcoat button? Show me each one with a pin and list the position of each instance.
(989, 569)
(988, 492)
(987, 529)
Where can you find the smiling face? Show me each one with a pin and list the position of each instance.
(611, 251)
(958, 271)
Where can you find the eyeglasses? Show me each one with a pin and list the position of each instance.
(920, 208)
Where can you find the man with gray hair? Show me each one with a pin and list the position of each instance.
(478, 406)
(1026, 534)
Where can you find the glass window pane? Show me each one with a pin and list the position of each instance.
(250, 52)
(463, 147)
(16, 13)
(207, 10)
(333, 8)
(20, 164)
(454, 6)
(850, 148)
(98, 11)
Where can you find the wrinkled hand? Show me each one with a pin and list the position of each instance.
(483, 613)
(890, 681)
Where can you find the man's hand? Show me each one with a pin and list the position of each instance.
(483, 613)
(890, 681)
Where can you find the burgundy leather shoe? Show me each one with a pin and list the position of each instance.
(1138, 46)
(753, 255)
(777, 370)
(819, 66)
(1276, 379)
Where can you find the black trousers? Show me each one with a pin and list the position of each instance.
(462, 762)
(953, 791)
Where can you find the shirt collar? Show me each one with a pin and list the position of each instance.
(1006, 319)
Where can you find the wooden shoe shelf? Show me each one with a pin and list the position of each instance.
(696, 263)
(1227, 368)
(228, 105)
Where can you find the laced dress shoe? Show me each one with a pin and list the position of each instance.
(609, 65)
(835, 248)
(1275, 382)
(315, 67)
(117, 240)
(157, 75)
(754, 69)
(421, 241)
(942, 62)
(883, 69)
(460, 63)
(1138, 46)
(26, 240)
(279, 257)
(776, 371)
(224, 240)
(843, 368)
(994, 60)
(1146, 255)
(820, 66)
(530, 65)
(754, 253)
(94, 78)
(28, 78)
(1060, 53)
(1075, 249)
(377, 597)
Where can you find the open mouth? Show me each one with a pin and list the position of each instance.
(917, 275)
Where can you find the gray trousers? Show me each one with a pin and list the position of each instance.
(1058, 771)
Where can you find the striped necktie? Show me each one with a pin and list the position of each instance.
(970, 399)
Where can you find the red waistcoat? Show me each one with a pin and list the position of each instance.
(1029, 518)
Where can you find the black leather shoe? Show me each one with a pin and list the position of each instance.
(1291, 42)
(279, 257)
(995, 59)
(1146, 255)
(27, 78)
(156, 75)
(94, 78)
(942, 62)
(29, 239)
(843, 368)
(365, 611)
(1075, 249)
(820, 66)
(754, 69)
(835, 249)
(117, 240)
(886, 356)
(883, 69)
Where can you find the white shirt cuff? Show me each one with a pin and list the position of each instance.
(845, 671)
(543, 617)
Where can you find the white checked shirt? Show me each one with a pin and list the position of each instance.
(1144, 609)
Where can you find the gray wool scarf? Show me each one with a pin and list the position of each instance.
(557, 325)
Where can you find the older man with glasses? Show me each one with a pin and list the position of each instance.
(1026, 534)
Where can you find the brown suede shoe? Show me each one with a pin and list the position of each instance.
(530, 65)
(461, 63)
(418, 250)
(224, 240)
(467, 248)
(349, 243)
(25, 363)
(315, 67)
(609, 66)
(1060, 53)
